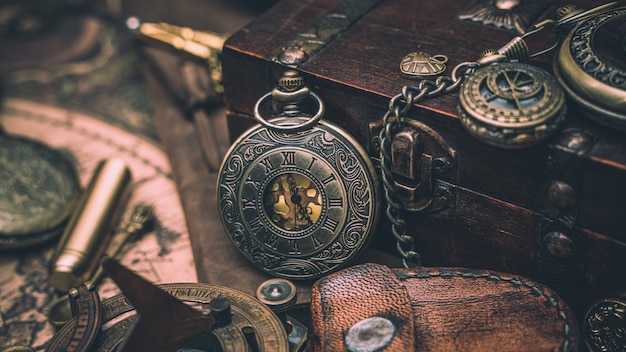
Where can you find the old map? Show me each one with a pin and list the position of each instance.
(163, 255)
(92, 108)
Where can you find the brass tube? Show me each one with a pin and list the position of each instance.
(88, 232)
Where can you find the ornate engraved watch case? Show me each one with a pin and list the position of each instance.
(591, 66)
(511, 104)
(298, 196)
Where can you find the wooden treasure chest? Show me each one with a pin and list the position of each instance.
(482, 168)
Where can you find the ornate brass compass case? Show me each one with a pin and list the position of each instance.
(298, 196)
(591, 66)
(511, 105)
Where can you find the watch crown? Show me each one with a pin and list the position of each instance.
(291, 81)
(566, 11)
(290, 92)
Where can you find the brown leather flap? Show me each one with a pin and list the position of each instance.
(345, 298)
(453, 309)
(458, 309)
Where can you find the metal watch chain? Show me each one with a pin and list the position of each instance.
(398, 107)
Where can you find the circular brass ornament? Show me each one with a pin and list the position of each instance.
(511, 105)
(591, 66)
(417, 65)
(250, 320)
(38, 192)
(298, 203)
(605, 326)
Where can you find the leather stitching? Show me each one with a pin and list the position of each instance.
(515, 281)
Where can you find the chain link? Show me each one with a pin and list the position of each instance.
(399, 106)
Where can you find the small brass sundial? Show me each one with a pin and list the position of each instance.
(177, 317)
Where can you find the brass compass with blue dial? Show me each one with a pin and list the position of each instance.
(297, 196)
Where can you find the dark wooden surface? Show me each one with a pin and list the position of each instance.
(496, 216)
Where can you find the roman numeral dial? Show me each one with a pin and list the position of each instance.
(298, 205)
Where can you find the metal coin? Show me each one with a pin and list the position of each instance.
(511, 105)
(38, 192)
(605, 326)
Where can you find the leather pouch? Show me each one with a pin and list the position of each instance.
(438, 309)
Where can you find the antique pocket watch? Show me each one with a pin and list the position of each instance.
(591, 64)
(297, 195)
(511, 105)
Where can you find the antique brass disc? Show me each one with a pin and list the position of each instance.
(417, 65)
(38, 192)
(252, 322)
(604, 324)
(591, 66)
(511, 105)
(298, 203)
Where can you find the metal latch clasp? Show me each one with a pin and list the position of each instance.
(414, 167)
(421, 158)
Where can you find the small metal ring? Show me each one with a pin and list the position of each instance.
(289, 127)
(455, 72)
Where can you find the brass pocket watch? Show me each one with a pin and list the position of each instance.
(591, 65)
(511, 104)
(297, 195)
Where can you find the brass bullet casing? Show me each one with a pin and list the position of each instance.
(85, 239)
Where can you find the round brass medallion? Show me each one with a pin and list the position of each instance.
(605, 326)
(511, 105)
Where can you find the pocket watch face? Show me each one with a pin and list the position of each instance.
(298, 205)
(293, 201)
(511, 104)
